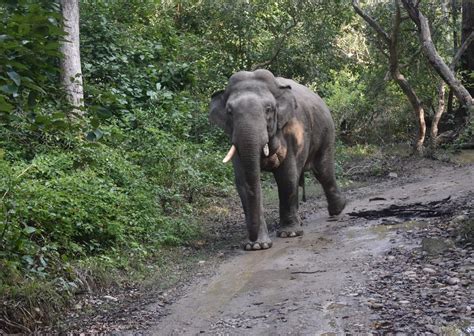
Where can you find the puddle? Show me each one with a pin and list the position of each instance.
(406, 212)
(434, 246)
(465, 156)
(336, 305)
(383, 229)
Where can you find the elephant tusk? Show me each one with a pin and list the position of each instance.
(230, 154)
(266, 150)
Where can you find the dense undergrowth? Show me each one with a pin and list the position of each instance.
(113, 204)
(86, 200)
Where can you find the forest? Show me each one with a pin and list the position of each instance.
(98, 190)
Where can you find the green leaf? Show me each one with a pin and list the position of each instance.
(14, 77)
(29, 230)
(94, 135)
(33, 86)
(29, 260)
(95, 122)
(58, 115)
(24, 29)
(98, 133)
(4, 105)
(32, 98)
(9, 89)
(103, 113)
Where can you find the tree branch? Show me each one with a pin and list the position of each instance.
(412, 58)
(380, 48)
(371, 22)
(461, 51)
(433, 57)
(403, 82)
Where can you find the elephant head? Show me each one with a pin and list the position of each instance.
(252, 109)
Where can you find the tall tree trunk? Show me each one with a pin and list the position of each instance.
(454, 24)
(71, 73)
(454, 17)
(441, 92)
(467, 58)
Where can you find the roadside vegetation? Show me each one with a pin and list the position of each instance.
(90, 195)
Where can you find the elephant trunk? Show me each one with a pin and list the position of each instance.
(250, 149)
(247, 139)
(251, 144)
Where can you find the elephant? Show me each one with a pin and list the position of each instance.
(279, 126)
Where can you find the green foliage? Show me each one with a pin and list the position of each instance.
(347, 155)
(29, 42)
(363, 114)
(389, 116)
(133, 182)
(347, 100)
(93, 198)
(290, 38)
(130, 63)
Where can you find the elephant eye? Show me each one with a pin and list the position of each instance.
(229, 110)
(269, 109)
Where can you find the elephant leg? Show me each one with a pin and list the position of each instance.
(258, 238)
(325, 174)
(302, 185)
(287, 179)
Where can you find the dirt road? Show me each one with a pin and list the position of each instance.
(405, 269)
(315, 284)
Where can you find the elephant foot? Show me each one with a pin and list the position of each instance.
(257, 245)
(336, 205)
(290, 228)
(290, 232)
(334, 218)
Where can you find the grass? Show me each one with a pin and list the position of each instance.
(26, 306)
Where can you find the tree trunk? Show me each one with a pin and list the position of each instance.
(437, 116)
(442, 90)
(71, 74)
(467, 58)
(454, 22)
(404, 84)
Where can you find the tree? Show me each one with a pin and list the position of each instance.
(467, 35)
(390, 42)
(433, 56)
(71, 73)
(427, 46)
(447, 73)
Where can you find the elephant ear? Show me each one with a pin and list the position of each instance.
(217, 112)
(286, 105)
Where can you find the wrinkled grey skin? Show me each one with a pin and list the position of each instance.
(255, 109)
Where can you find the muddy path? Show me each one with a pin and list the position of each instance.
(325, 283)
(406, 268)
